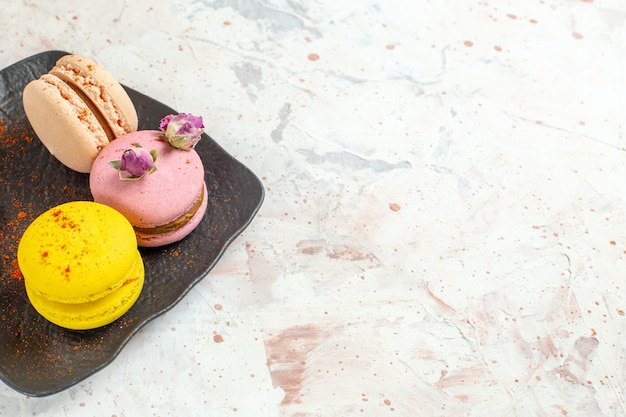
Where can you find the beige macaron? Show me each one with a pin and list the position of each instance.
(76, 109)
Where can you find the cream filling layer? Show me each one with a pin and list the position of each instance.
(177, 223)
(97, 95)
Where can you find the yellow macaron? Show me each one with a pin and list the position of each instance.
(81, 265)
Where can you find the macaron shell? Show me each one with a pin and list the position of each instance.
(104, 91)
(158, 198)
(96, 313)
(63, 122)
(153, 240)
(77, 252)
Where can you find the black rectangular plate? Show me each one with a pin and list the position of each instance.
(38, 358)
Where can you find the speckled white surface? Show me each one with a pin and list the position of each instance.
(444, 229)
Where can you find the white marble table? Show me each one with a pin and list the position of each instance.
(444, 229)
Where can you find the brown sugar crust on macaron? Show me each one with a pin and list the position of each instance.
(101, 89)
(177, 223)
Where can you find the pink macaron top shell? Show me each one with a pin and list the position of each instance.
(158, 198)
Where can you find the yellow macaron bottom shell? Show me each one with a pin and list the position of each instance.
(92, 314)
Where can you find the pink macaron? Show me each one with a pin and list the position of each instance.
(167, 202)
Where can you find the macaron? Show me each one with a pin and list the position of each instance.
(81, 265)
(76, 109)
(163, 206)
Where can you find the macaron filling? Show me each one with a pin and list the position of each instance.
(78, 73)
(177, 223)
(96, 112)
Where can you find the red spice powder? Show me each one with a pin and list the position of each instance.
(11, 235)
(13, 139)
(16, 273)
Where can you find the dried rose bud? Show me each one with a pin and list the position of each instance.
(135, 163)
(182, 131)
